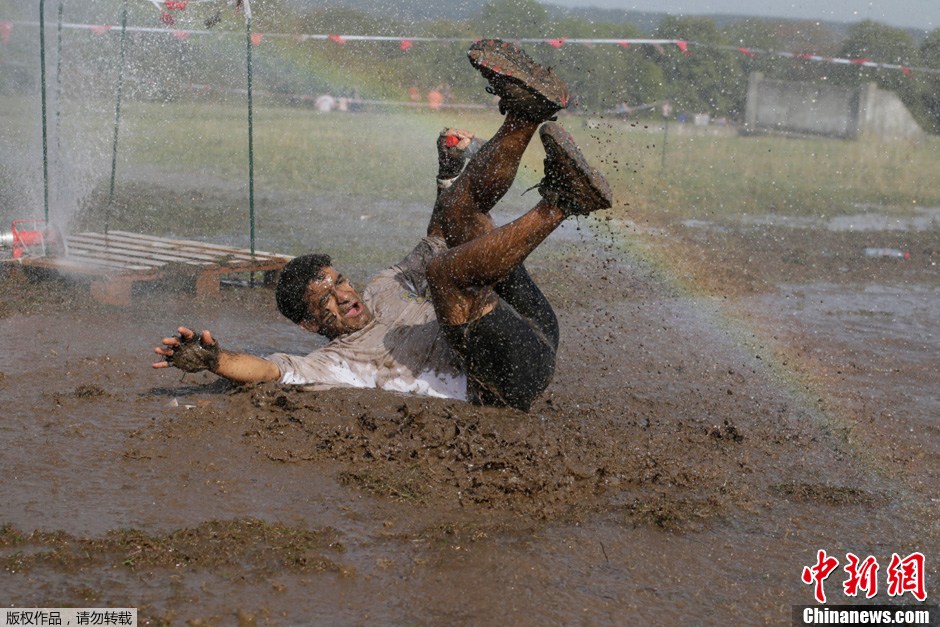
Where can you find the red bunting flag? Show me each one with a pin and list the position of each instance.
(175, 5)
(406, 44)
(5, 29)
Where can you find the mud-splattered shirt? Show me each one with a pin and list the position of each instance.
(401, 350)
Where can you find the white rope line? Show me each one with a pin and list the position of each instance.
(554, 42)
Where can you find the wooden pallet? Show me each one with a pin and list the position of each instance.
(116, 260)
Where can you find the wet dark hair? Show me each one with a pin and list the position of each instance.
(292, 285)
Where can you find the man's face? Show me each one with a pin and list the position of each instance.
(335, 307)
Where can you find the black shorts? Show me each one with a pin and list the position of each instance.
(509, 353)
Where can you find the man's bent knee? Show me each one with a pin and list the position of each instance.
(445, 295)
(453, 302)
(438, 276)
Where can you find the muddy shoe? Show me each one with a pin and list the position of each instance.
(569, 181)
(524, 87)
(450, 156)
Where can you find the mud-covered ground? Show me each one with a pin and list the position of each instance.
(719, 414)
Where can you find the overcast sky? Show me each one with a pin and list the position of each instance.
(920, 14)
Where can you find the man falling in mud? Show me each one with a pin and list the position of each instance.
(459, 317)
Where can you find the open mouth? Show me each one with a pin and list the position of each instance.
(354, 310)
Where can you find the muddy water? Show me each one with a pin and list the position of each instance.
(691, 456)
(882, 339)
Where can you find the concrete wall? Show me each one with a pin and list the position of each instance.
(885, 115)
(808, 108)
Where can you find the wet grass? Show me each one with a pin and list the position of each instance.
(822, 493)
(264, 548)
(400, 489)
(719, 175)
(198, 151)
(382, 155)
(390, 155)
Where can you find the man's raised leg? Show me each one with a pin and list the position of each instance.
(460, 275)
(466, 279)
(529, 95)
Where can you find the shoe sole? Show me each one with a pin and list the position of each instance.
(559, 145)
(497, 58)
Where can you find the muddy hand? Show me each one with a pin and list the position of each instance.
(189, 352)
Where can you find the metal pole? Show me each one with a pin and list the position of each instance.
(117, 118)
(58, 102)
(662, 165)
(251, 155)
(42, 87)
(667, 113)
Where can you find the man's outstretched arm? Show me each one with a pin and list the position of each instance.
(193, 354)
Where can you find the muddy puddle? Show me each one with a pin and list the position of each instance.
(691, 456)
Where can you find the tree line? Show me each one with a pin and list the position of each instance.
(711, 78)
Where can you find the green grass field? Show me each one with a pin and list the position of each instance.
(391, 156)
